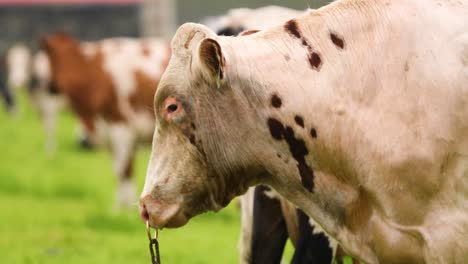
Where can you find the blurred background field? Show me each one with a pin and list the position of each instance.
(58, 209)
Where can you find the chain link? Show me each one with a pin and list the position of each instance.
(153, 245)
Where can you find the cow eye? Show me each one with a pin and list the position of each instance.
(172, 108)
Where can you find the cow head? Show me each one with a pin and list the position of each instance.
(196, 163)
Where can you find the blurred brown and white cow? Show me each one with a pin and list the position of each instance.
(356, 113)
(113, 80)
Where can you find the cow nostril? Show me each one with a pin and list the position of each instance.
(144, 213)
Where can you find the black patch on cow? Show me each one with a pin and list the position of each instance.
(269, 232)
(292, 28)
(315, 60)
(230, 31)
(276, 128)
(313, 133)
(276, 101)
(310, 247)
(297, 148)
(299, 121)
(338, 41)
(313, 57)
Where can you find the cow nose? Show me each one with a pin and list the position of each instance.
(144, 213)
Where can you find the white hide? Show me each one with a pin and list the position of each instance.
(122, 58)
(18, 61)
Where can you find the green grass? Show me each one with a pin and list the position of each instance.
(58, 209)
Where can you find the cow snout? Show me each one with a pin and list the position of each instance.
(160, 214)
(144, 213)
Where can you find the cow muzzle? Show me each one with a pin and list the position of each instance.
(161, 215)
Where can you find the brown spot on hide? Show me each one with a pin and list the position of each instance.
(193, 126)
(338, 41)
(276, 128)
(313, 57)
(292, 28)
(192, 139)
(315, 60)
(299, 121)
(276, 101)
(249, 32)
(298, 149)
(313, 133)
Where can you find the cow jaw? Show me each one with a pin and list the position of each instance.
(177, 186)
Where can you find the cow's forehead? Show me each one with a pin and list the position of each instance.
(174, 80)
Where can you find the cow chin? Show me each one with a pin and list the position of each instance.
(161, 215)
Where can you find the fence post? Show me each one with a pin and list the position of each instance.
(158, 18)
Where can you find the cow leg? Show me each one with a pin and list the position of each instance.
(269, 232)
(48, 108)
(247, 201)
(290, 217)
(7, 97)
(311, 247)
(123, 142)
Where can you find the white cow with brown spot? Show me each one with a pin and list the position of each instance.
(267, 219)
(356, 113)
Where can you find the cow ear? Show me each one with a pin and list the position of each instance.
(211, 60)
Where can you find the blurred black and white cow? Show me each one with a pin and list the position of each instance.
(241, 19)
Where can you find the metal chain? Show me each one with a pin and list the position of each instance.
(153, 245)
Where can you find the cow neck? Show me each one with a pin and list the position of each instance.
(315, 63)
